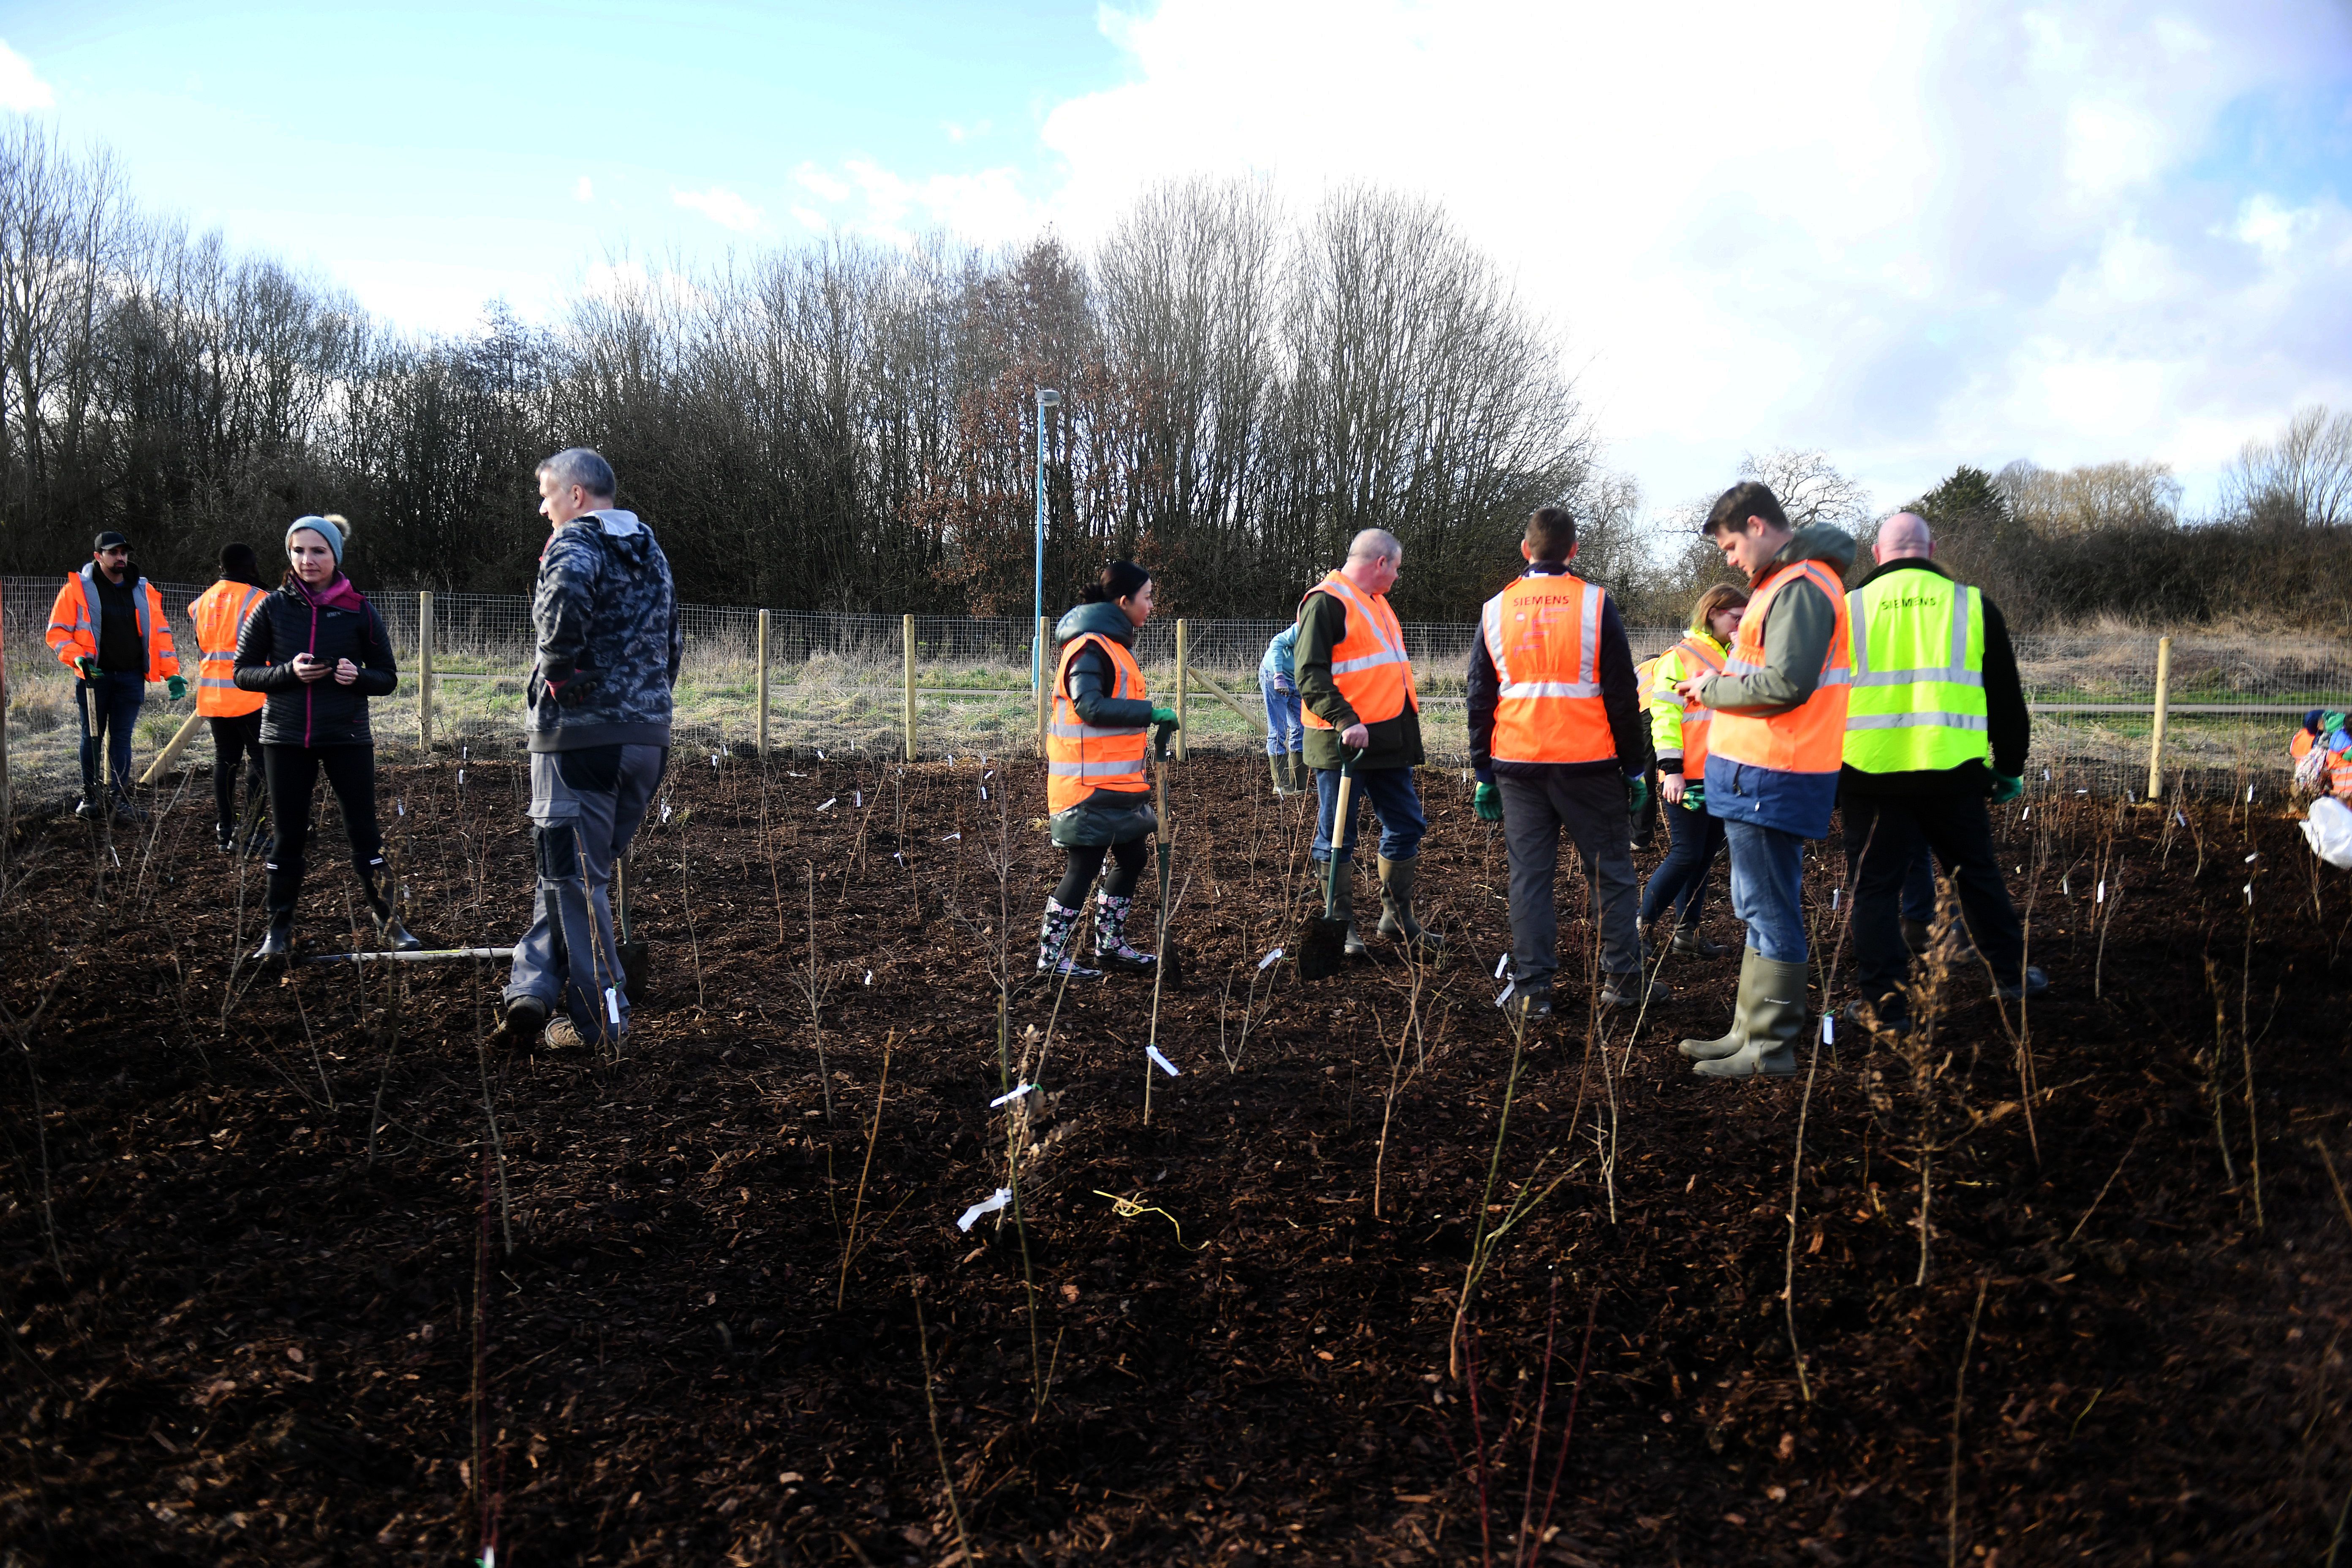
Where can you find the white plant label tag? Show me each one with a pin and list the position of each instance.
(1502, 964)
(1267, 961)
(830, 804)
(1828, 1029)
(951, 837)
(1506, 996)
(1834, 896)
(869, 977)
(1162, 1063)
(986, 1205)
(983, 792)
(613, 1006)
(2099, 896)
(856, 799)
(1011, 1095)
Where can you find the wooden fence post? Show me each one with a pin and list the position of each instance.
(906, 636)
(2155, 736)
(1183, 710)
(1045, 663)
(425, 672)
(764, 686)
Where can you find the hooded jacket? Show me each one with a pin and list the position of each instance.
(1106, 817)
(609, 640)
(1797, 626)
(335, 623)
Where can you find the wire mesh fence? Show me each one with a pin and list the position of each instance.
(841, 680)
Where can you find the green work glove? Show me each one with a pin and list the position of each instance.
(2005, 790)
(1637, 794)
(1165, 716)
(1487, 803)
(88, 667)
(1694, 795)
(176, 684)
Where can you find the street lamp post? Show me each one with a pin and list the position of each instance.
(1046, 398)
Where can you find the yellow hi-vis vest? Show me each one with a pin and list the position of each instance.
(1918, 696)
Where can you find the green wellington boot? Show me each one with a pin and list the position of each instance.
(1730, 1045)
(1776, 1016)
(1396, 907)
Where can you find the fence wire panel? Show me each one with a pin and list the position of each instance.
(835, 680)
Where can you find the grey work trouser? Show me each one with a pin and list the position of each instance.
(1591, 807)
(585, 807)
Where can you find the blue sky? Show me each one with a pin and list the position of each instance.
(1910, 235)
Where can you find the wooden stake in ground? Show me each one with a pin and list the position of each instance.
(171, 751)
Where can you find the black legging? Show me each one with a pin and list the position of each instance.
(1086, 860)
(235, 740)
(293, 772)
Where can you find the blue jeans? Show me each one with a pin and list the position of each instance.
(1768, 874)
(1284, 731)
(110, 710)
(1680, 879)
(1394, 802)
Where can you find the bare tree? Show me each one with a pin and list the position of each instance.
(2304, 475)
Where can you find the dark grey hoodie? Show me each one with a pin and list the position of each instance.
(609, 642)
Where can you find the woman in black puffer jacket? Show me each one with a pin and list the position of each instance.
(318, 651)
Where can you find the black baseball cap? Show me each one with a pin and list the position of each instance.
(110, 540)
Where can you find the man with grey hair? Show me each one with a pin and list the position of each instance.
(609, 647)
(1937, 722)
(1360, 710)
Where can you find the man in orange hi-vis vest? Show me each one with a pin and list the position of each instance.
(108, 627)
(1360, 710)
(1774, 749)
(235, 715)
(1556, 737)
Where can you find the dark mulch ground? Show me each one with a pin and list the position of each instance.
(260, 1305)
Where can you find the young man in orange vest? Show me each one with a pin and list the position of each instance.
(1359, 709)
(1774, 749)
(1556, 736)
(235, 715)
(108, 627)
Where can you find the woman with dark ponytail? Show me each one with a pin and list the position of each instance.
(1097, 781)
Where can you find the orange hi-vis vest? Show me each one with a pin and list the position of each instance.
(1367, 665)
(219, 614)
(1698, 719)
(1081, 758)
(1810, 737)
(1543, 632)
(74, 620)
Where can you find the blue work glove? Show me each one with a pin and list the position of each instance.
(177, 685)
(1637, 794)
(1694, 795)
(1165, 716)
(1487, 803)
(2006, 789)
(88, 667)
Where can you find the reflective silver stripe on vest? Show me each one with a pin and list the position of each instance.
(1552, 688)
(1096, 770)
(1349, 666)
(217, 683)
(1952, 677)
(1588, 651)
(1914, 721)
(1492, 615)
(1095, 732)
(1347, 597)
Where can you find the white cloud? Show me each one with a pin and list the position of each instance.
(721, 206)
(585, 191)
(989, 207)
(21, 89)
(1913, 236)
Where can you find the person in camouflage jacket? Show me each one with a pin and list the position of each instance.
(609, 649)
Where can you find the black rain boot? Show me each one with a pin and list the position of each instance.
(284, 889)
(389, 931)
